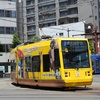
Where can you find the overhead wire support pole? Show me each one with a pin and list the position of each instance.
(44, 15)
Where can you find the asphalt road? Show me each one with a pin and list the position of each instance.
(12, 92)
(96, 78)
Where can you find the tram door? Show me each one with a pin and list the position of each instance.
(57, 63)
(20, 68)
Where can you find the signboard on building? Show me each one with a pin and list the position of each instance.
(65, 30)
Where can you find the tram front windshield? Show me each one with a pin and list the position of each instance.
(75, 54)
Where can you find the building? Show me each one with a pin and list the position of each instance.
(88, 11)
(7, 29)
(45, 13)
(64, 30)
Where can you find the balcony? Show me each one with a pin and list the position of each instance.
(70, 16)
(48, 21)
(33, 32)
(49, 2)
(62, 0)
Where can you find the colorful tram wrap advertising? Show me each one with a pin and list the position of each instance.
(59, 62)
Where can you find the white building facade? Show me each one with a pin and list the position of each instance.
(7, 29)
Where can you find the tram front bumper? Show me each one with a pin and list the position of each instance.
(84, 82)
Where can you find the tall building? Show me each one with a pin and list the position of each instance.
(7, 29)
(89, 11)
(44, 13)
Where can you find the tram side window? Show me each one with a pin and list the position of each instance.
(36, 64)
(46, 63)
(13, 65)
(56, 58)
(97, 65)
(28, 64)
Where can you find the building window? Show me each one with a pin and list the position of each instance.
(40, 1)
(2, 48)
(1, 13)
(53, 24)
(9, 0)
(30, 11)
(8, 46)
(47, 7)
(30, 19)
(73, 11)
(5, 47)
(1, 30)
(50, 16)
(63, 5)
(61, 34)
(8, 13)
(41, 17)
(12, 30)
(7, 30)
(31, 28)
(70, 2)
(13, 14)
(30, 2)
(63, 13)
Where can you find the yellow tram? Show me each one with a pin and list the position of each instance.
(58, 62)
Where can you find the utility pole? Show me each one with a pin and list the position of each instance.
(45, 14)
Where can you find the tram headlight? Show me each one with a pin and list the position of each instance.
(87, 73)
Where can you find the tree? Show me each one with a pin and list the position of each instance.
(91, 47)
(16, 41)
(35, 39)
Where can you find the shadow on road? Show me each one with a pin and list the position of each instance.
(71, 89)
